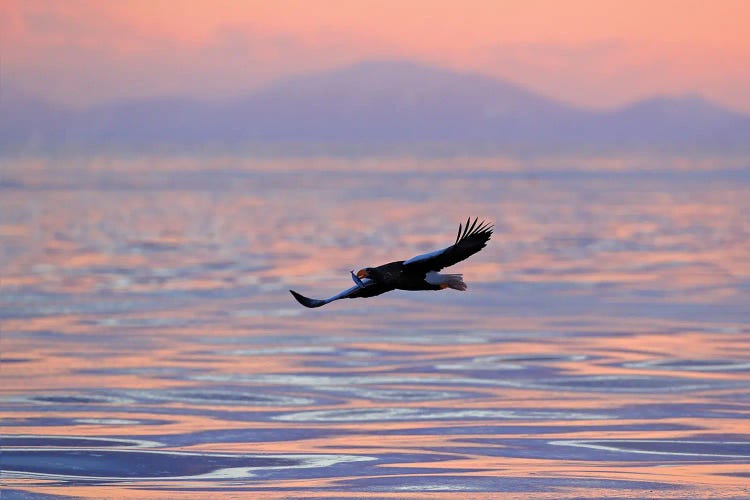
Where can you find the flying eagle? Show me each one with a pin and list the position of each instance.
(417, 273)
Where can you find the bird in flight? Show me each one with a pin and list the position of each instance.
(417, 273)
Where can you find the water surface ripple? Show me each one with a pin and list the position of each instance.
(150, 348)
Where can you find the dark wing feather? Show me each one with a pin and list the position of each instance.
(471, 238)
(370, 290)
(307, 301)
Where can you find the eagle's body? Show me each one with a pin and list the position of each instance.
(398, 276)
(417, 273)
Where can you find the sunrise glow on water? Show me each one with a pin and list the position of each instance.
(150, 347)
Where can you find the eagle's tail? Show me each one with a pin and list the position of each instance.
(454, 281)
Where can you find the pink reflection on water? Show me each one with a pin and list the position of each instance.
(161, 298)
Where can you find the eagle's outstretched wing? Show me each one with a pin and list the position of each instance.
(370, 289)
(470, 239)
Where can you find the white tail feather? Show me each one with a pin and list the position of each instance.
(454, 281)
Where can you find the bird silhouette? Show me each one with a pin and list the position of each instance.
(417, 273)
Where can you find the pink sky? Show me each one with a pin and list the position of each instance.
(596, 53)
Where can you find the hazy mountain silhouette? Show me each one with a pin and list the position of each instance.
(28, 121)
(375, 106)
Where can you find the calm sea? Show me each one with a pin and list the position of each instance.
(151, 349)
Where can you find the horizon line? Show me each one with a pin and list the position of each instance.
(296, 76)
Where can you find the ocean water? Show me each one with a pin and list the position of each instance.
(151, 349)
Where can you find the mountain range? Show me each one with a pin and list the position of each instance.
(373, 107)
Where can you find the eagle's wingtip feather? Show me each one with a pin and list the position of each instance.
(307, 301)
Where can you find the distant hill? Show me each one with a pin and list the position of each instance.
(26, 121)
(374, 106)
